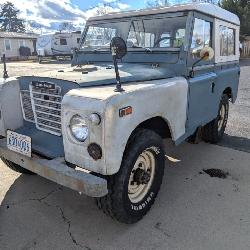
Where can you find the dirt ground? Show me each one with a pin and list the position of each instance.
(33, 67)
(193, 211)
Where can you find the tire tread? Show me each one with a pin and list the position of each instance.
(106, 203)
(210, 131)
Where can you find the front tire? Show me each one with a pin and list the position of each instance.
(16, 167)
(132, 191)
(214, 131)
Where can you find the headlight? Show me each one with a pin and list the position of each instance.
(79, 128)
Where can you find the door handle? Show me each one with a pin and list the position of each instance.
(212, 87)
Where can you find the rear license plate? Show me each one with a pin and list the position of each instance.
(19, 143)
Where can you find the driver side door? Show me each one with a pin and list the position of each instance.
(202, 105)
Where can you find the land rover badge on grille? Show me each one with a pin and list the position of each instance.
(43, 85)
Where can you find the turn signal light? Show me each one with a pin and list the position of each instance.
(125, 111)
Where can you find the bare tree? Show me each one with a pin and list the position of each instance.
(66, 26)
(33, 26)
(157, 3)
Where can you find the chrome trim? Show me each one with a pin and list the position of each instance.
(38, 101)
(23, 106)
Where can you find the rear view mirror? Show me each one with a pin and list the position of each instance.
(118, 49)
(205, 54)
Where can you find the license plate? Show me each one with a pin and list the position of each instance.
(19, 143)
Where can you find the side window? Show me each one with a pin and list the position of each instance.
(179, 37)
(166, 40)
(202, 34)
(227, 41)
(7, 44)
(63, 41)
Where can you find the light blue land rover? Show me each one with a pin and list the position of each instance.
(137, 77)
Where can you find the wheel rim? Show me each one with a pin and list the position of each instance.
(222, 115)
(141, 177)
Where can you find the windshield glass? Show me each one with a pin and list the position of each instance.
(100, 35)
(168, 32)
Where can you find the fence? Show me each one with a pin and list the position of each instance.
(245, 49)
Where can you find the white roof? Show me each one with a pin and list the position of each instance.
(18, 35)
(207, 8)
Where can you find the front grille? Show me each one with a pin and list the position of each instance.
(43, 106)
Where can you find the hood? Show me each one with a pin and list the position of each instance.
(104, 74)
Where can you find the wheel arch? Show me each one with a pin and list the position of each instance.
(157, 124)
(228, 91)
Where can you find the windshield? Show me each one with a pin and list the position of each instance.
(168, 32)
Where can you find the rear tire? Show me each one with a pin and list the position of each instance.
(132, 191)
(16, 167)
(214, 131)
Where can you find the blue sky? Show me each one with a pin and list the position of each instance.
(85, 4)
(43, 16)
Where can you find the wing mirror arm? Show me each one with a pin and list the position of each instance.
(118, 49)
(118, 78)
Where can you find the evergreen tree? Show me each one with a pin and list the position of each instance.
(242, 9)
(9, 20)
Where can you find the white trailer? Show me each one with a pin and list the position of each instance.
(57, 44)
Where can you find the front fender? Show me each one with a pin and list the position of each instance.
(164, 98)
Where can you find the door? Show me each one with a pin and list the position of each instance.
(202, 105)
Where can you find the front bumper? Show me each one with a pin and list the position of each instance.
(56, 170)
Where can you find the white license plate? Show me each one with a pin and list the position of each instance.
(19, 143)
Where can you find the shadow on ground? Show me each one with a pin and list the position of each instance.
(245, 62)
(51, 61)
(235, 142)
(192, 211)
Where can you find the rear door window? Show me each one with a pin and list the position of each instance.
(227, 41)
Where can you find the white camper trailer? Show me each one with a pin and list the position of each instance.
(58, 44)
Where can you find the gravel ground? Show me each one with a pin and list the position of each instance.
(238, 128)
(32, 67)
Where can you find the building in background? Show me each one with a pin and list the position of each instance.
(57, 44)
(245, 41)
(17, 46)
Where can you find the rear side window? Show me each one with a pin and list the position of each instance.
(202, 34)
(227, 41)
(63, 41)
